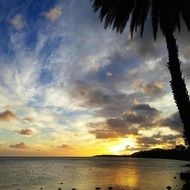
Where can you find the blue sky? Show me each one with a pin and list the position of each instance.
(69, 87)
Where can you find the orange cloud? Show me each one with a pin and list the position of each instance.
(54, 13)
(7, 116)
(17, 22)
(152, 88)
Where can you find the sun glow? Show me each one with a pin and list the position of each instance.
(122, 145)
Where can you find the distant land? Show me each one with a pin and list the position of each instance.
(179, 153)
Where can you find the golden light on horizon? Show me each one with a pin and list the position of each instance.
(122, 145)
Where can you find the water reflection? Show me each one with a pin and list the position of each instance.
(114, 172)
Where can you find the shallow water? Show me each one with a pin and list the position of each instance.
(88, 173)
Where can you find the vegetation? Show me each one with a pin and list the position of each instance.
(179, 153)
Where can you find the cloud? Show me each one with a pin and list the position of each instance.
(107, 102)
(17, 22)
(112, 128)
(148, 141)
(109, 74)
(53, 13)
(104, 134)
(158, 139)
(26, 132)
(64, 147)
(92, 95)
(29, 118)
(7, 116)
(151, 88)
(18, 146)
(173, 121)
(140, 116)
(145, 108)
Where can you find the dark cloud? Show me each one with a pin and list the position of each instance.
(148, 142)
(112, 128)
(120, 126)
(145, 108)
(7, 116)
(174, 122)
(26, 132)
(110, 103)
(142, 114)
(104, 134)
(118, 106)
(169, 138)
(119, 62)
(145, 47)
(137, 117)
(91, 95)
(18, 146)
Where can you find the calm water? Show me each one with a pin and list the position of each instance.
(88, 173)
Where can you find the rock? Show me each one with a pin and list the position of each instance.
(169, 187)
(187, 165)
(186, 186)
(185, 176)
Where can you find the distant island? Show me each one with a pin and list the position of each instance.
(180, 152)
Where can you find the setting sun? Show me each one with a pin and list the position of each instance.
(124, 145)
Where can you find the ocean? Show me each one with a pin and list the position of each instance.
(89, 173)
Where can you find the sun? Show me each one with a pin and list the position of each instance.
(120, 146)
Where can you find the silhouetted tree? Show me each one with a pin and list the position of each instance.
(166, 14)
(180, 147)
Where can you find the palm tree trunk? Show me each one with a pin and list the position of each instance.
(178, 86)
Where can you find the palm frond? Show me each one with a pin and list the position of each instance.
(114, 12)
(155, 14)
(185, 12)
(166, 14)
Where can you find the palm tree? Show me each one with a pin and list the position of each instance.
(166, 14)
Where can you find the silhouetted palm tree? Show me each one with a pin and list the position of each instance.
(166, 14)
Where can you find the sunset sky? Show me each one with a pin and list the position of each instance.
(68, 87)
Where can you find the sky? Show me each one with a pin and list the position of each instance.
(68, 87)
